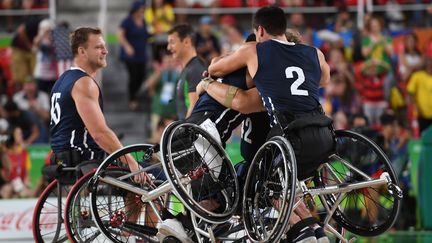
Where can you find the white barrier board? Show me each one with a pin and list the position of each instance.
(16, 219)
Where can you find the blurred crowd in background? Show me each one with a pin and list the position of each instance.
(381, 72)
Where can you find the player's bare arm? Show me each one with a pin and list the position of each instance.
(86, 96)
(244, 56)
(325, 69)
(243, 101)
(85, 93)
(193, 98)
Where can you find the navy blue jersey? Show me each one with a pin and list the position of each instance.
(67, 130)
(254, 132)
(288, 76)
(226, 119)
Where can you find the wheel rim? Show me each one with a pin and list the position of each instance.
(368, 211)
(208, 166)
(45, 217)
(121, 215)
(269, 192)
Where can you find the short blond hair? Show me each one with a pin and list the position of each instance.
(80, 37)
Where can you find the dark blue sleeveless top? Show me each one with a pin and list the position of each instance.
(67, 130)
(226, 119)
(288, 76)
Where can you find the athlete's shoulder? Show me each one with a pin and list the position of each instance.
(85, 86)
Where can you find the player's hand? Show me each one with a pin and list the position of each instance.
(141, 177)
(199, 89)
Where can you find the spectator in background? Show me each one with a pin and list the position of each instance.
(23, 59)
(410, 59)
(375, 45)
(13, 4)
(17, 167)
(395, 16)
(160, 18)
(161, 85)
(371, 88)
(233, 39)
(296, 21)
(341, 90)
(63, 52)
(133, 37)
(37, 103)
(420, 87)
(22, 119)
(181, 45)
(206, 43)
(395, 142)
(378, 49)
(45, 70)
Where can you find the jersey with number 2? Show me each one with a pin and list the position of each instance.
(288, 76)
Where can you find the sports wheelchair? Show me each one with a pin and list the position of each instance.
(355, 187)
(51, 216)
(188, 168)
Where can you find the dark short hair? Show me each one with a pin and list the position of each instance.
(80, 36)
(183, 31)
(272, 19)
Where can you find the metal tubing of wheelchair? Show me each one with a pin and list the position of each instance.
(343, 188)
(139, 171)
(202, 232)
(335, 233)
(352, 167)
(182, 153)
(335, 176)
(146, 196)
(333, 209)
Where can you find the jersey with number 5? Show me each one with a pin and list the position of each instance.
(67, 130)
(288, 76)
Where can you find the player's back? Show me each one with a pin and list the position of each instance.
(288, 76)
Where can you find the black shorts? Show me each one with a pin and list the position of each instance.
(312, 138)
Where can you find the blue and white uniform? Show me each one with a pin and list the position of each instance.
(225, 119)
(288, 79)
(67, 129)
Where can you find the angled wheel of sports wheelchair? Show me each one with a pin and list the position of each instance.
(366, 200)
(269, 191)
(199, 171)
(47, 217)
(79, 223)
(117, 202)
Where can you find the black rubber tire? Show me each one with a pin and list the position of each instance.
(46, 223)
(363, 154)
(108, 202)
(183, 149)
(79, 223)
(272, 176)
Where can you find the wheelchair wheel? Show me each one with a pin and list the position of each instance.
(48, 214)
(79, 223)
(120, 214)
(191, 154)
(269, 191)
(368, 211)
